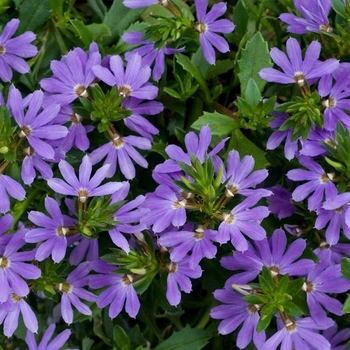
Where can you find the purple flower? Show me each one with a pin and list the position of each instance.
(84, 187)
(85, 248)
(313, 146)
(295, 69)
(335, 211)
(271, 253)
(335, 337)
(36, 126)
(9, 314)
(315, 17)
(121, 151)
(165, 208)
(298, 334)
(199, 242)
(149, 53)
(31, 162)
(11, 50)
(72, 291)
(9, 187)
(337, 104)
(77, 132)
(55, 344)
(243, 219)
(13, 270)
(138, 123)
(120, 291)
(208, 26)
(6, 223)
(234, 312)
(241, 176)
(195, 145)
(52, 232)
(280, 203)
(178, 279)
(276, 138)
(131, 82)
(324, 278)
(72, 75)
(127, 217)
(318, 182)
(134, 4)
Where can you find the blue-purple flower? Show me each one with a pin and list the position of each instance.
(121, 151)
(315, 17)
(179, 275)
(243, 219)
(52, 233)
(13, 49)
(9, 187)
(72, 291)
(84, 187)
(319, 183)
(10, 311)
(133, 81)
(46, 342)
(149, 53)
(298, 334)
(208, 25)
(119, 292)
(35, 124)
(14, 268)
(294, 68)
(233, 313)
(72, 75)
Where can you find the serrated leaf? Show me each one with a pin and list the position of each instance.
(219, 124)
(188, 338)
(240, 18)
(255, 56)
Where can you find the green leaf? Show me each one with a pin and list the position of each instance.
(33, 15)
(219, 124)
(82, 31)
(189, 67)
(345, 267)
(220, 67)
(346, 306)
(252, 94)
(240, 18)
(255, 56)
(188, 338)
(98, 7)
(295, 286)
(263, 322)
(87, 343)
(339, 7)
(244, 146)
(119, 18)
(121, 339)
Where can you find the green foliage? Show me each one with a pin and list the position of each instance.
(254, 57)
(187, 338)
(7, 141)
(97, 217)
(219, 124)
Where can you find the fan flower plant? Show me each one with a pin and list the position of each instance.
(174, 174)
